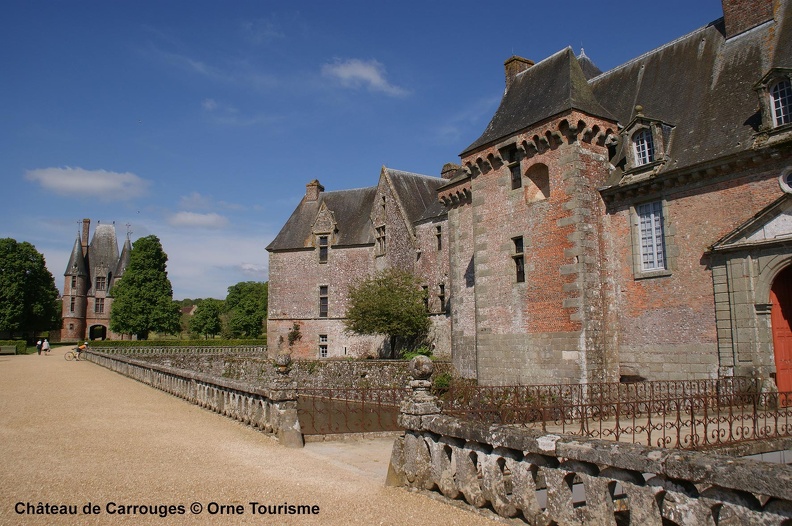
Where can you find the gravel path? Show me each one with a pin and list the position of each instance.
(74, 433)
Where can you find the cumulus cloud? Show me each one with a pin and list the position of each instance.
(195, 220)
(94, 184)
(356, 73)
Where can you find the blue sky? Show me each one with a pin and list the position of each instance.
(201, 122)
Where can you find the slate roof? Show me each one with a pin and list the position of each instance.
(103, 250)
(351, 209)
(552, 86)
(76, 265)
(417, 195)
(701, 84)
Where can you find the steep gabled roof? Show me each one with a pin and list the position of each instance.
(551, 87)
(417, 194)
(351, 210)
(76, 265)
(772, 224)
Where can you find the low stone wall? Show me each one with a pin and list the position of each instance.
(309, 374)
(273, 410)
(550, 479)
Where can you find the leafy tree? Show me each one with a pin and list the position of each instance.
(246, 304)
(143, 299)
(390, 303)
(28, 296)
(206, 319)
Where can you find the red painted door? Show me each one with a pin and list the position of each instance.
(781, 319)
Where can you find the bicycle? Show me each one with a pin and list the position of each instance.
(74, 354)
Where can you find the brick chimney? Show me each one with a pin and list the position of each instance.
(741, 15)
(86, 226)
(449, 171)
(312, 190)
(516, 65)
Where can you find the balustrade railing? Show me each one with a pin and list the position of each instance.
(683, 414)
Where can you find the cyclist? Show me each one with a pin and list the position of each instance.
(81, 348)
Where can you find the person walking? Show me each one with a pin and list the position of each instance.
(45, 346)
(38, 347)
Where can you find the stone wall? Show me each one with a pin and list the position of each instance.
(308, 374)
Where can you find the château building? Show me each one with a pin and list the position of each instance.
(92, 271)
(621, 225)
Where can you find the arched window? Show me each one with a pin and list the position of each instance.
(781, 96)
(644, 147)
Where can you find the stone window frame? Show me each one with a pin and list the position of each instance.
(668, 243)
(324, 301)
(513, 164)
(99, 304)
(381, 240)
(643, 147)
(785, 180)
(323, 345)
(518, 256)
(657, 137)
(425, 290)
(323, 245)
(73, 304)
(439, 235)
(73, 282)
(781, 102)
(765, 90)
(100, 283)
(441, 296)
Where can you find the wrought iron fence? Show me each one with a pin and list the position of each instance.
(358, 410)
(685, 414)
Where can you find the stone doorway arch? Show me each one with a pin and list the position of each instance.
(97, 332)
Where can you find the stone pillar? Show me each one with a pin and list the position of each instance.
(284, 400)
(411, 460)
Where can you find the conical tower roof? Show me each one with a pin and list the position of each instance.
(76, 265)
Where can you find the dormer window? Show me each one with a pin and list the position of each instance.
(322, 249)
(643, 146)
(781, 98)
(775, 99)
(645, 142)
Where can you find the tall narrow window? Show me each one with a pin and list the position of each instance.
(425, 290)
(644, 147)
(381, 240)
(650, 218)
(322, 249)
(439, 235)
(513, 161)
(519, 259)
(323, 301)
(99, 306)
(441, 295)
(101, 283)
(323, 346)
(72, 304)
(74, 282)
(781, 95)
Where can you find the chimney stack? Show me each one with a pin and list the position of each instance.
(741, 15)
(86, 226)
(516, 65)
(312, 190)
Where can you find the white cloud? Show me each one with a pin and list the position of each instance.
(94, 184)
(209, 104)
(356, 73)
(195, 220)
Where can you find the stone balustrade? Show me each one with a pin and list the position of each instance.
(273, 410)
(544, 479)
(144, 350)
